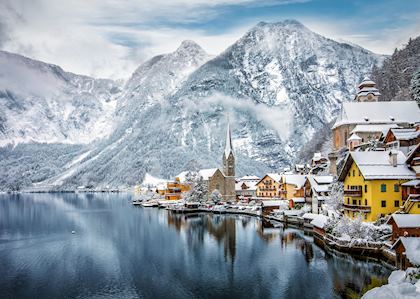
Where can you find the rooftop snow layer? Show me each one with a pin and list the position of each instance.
(407, 220)
(373, 128)
(295, 179)
(378, 113)
(376, 165)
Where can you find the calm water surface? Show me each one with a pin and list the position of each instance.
(121, 251)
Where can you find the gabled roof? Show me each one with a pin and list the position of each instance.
(275, 176)
(228, 146)
(412, 154)
(320, 183)
(206, 174)
(412, 248)
(249, 178)
(294, 179)
(375, 165)
(378, 113)
(354, 136)
(403, 133)
(405, 220)
(373, 128)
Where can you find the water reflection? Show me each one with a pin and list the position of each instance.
(126, 252)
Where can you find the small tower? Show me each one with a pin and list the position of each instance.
(228, 157)
(367, 91)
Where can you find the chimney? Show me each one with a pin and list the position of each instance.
(333, 163)
(393, 154)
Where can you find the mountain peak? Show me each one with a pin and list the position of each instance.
(189, 45)
(287, 22)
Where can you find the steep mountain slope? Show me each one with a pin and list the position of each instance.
(40, 102)
(280, 85)
(394, 77)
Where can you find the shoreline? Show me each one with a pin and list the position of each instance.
(362, 253)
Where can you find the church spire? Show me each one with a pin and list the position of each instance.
(228, 146)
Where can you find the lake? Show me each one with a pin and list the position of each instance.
(121, 251)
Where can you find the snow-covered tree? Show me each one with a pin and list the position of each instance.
(335, 200)
(415, 86)
(216, 196)
(198, 191)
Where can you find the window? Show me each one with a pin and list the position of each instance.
(396, 203)
(354, 202)
(365, 188)
(383, 187)
(360, 202)
(365, 202)
(349, 174)
(383, 203)
(354, 173)
(396, 188)
(359, 173)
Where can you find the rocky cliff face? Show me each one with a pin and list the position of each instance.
(280, 85)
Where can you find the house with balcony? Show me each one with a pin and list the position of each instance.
(373, 183)
(403, 139)
(269, 186)
(292, 188)
(317, 190)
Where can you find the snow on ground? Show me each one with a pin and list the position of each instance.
(401, 285)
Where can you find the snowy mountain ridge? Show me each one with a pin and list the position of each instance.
(281, 85)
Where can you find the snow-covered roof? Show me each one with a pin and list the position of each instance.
(309, 216)
(373, 128)
(406, 220)
(320, 183)
(412, 183)
(405, 134)
(298, 199)
(354, 136)
(251, 185)
(317, 157)
(366, 81)
(412, 248)
(274, 176)
(375, 165)
(249, 178)
(320, 221)
(151, 181)
(295, 179)
(271, 203)
(378, 113)
(206, 174)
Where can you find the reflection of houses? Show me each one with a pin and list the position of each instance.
(246, 187)
(366, 110)
(407, 250)
(404, 225)
(403, 139)
(317, 190)
(269, 186)
(372, 183)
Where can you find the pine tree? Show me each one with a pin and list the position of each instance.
(415, 87)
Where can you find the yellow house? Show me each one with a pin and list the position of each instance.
(293, 185)
(174, 189)
(372, 183)
(269, 186)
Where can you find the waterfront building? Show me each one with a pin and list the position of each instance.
(246, 187)
(317, 190)
(269, 186)
(372, 183)
(293, 185)
(404, 225)
(407, 252)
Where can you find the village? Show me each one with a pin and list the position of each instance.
(362, 198)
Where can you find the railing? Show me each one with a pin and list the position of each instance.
(353, 192)
(267, 189)
(360, 208)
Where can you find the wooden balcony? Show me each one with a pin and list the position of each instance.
(357, 208)
(267, 189)
(353, 192)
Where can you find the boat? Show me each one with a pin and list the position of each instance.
(150, 203)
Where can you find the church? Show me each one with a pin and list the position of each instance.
(224, 180)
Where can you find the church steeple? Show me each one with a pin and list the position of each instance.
(228, 157)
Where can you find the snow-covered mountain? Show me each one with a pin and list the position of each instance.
(40, 102)
(280, 85)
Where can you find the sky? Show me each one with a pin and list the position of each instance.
(111, 38)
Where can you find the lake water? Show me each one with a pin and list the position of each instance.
(122, 251)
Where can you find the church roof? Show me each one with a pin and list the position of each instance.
(378, 113)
